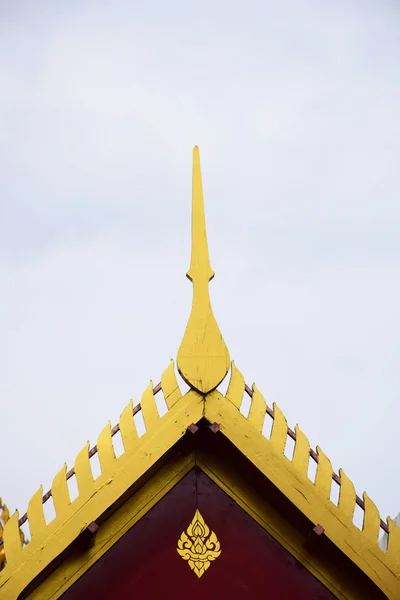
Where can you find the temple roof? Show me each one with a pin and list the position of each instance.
(203, 362)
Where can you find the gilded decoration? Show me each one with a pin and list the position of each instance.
(203, 358)
(4, 517)
(198, 545)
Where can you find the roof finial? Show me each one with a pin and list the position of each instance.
(203, 358)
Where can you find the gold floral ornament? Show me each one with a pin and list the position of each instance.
(198, 545)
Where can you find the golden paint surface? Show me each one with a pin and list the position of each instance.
(203, 358)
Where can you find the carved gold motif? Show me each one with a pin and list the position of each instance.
(198, 545)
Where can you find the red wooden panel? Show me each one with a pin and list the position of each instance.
(145, 562)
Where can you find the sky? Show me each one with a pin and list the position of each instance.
(295, 108)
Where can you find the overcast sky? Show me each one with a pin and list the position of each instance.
(295, 107)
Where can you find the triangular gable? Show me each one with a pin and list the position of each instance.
(203, 362)
(150, 558)
(231, 471)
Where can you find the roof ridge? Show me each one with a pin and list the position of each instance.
(270, 411)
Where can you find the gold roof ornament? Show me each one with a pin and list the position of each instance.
(203, 358)
(4, 517)
(152, 464)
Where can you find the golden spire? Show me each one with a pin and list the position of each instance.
(203, 358)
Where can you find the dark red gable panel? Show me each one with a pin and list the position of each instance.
(146, 564)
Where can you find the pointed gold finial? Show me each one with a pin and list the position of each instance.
(203, 358)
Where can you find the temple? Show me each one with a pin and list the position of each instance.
(202, 504)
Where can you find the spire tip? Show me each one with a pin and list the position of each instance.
(203, 358)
